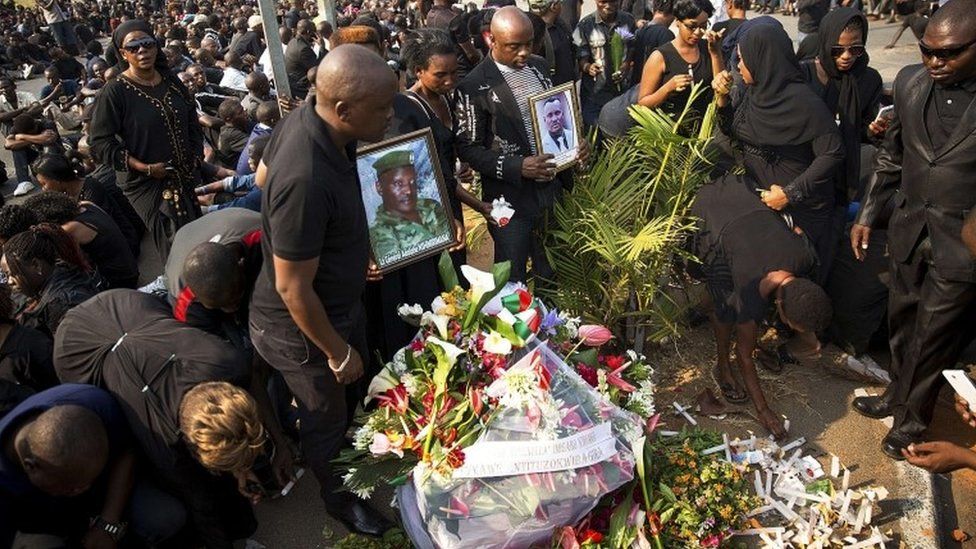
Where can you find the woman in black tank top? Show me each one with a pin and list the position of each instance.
(694, 56)
(95, 232)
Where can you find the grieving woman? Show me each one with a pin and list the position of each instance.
(145, 124)
(790, 144)
(851, 89)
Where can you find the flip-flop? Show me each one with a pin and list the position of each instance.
(728, 390)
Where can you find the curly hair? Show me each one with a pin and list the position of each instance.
(806, 305)
(221, 424)
(45, 242)
(422, 44)
(53, 207)
(15, 219)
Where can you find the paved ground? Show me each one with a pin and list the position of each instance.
(821, 413)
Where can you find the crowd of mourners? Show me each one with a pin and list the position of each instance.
(156, 408)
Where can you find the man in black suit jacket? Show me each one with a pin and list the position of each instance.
(495, 137)
(928, 160)
(299, 57)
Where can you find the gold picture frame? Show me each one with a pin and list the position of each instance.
(564, 146)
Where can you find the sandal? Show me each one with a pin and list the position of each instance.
(728, 390)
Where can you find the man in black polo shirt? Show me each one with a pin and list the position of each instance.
(306, 315)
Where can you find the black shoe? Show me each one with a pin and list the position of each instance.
(893, 443)
(873, 407)
(358, 517)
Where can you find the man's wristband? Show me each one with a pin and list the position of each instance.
(344, 361)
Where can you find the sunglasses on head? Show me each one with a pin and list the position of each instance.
(134, 46)
(855, 51)
(944, 53)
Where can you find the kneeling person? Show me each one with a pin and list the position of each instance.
(748, 256)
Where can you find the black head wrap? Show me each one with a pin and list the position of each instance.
(847, 91)
(778, 108)
(133, 25)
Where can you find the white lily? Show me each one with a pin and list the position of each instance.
(451, 350)
(497, 344)
(480, 281)
(381, 383)
(440, 321)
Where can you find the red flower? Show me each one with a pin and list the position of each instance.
(476, 403)
(417, 345)
(615, 361)
(588, 374)
(396, 398)
(455, 458)
(590, 536)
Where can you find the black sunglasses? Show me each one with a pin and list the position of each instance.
(136, 45)
(856, 50)
(944, 53)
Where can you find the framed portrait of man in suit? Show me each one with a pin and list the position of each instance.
(557, 124)
(406, 200)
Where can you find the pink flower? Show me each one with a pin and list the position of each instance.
(381, 445)
(457, 508)
(711, 541)
(396, 398)
(593, 335)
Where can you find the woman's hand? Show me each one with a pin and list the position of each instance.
(157, 170)
(678, 83)
(714, 40)
(459, 234)
(722, 83)
(775, 198)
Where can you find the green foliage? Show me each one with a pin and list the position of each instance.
(619, 231)
(393, 539)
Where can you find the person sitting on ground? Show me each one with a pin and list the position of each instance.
(28, 138)
(234, 134)
(14, 219)
(45, 265)
(182, 391)
(94, 51)
(66, 458)
(234, 76)
(95, 233)
(237, 191)
(267, 115)
(25, 355)
(258, 91)
(67, 66)
(212, 268)
(64, 90)
(742, 277)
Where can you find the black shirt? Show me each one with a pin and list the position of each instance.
(649, 38)
(945, 109)
(587, 37)
(70, 69)
(564, 64)
(729, 25)
(733, 221)
(311, 207)
(109, 250)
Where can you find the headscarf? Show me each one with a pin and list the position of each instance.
(844, 89)
(778, 108)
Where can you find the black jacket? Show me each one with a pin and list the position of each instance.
(934, 189)
(129, 344)
(65, 288)
(492, 139)
(299, 58)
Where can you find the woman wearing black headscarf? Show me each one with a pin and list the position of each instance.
(145, 124)
(790, 144)
(851, 89)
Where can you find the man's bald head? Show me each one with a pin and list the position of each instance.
(64, 449)
(257, 83)
(350, 82)
(949, 44)
(512, 37)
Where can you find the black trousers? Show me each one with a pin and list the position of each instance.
(931, 320)
(325, 407)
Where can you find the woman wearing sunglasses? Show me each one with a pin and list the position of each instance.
(694, 56)
(145, 124)
(840, 75)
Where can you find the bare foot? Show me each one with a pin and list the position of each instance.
(772, 422)
(728, 385)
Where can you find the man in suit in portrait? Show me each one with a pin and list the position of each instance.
(557, 134)
(927, 164)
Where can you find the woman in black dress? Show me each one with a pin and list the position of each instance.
(145, 124)
(429, 55)
(694, 56)
(790, 144)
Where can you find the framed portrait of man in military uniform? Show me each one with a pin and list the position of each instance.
(406, 200)
(557, 124)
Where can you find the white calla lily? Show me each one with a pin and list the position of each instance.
(451, 350)
(381, 383)
(441, 322)
(497, 344)
(480, 281)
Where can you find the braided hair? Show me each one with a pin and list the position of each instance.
(44, 242)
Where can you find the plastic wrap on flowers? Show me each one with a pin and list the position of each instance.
(554, 448)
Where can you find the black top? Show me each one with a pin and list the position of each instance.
(299, 58)
(99, 188)
(108, 250)
(25, 359)
(649, 38)
(732, 221)
(701, 71)
(311, 207)
(66, 287)
(729, 25)
(157, 124)
(564, 67)
(810, 12)
(248, 43)
(70, 69)
(593, 37)
(945, 109)
(411, 112)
